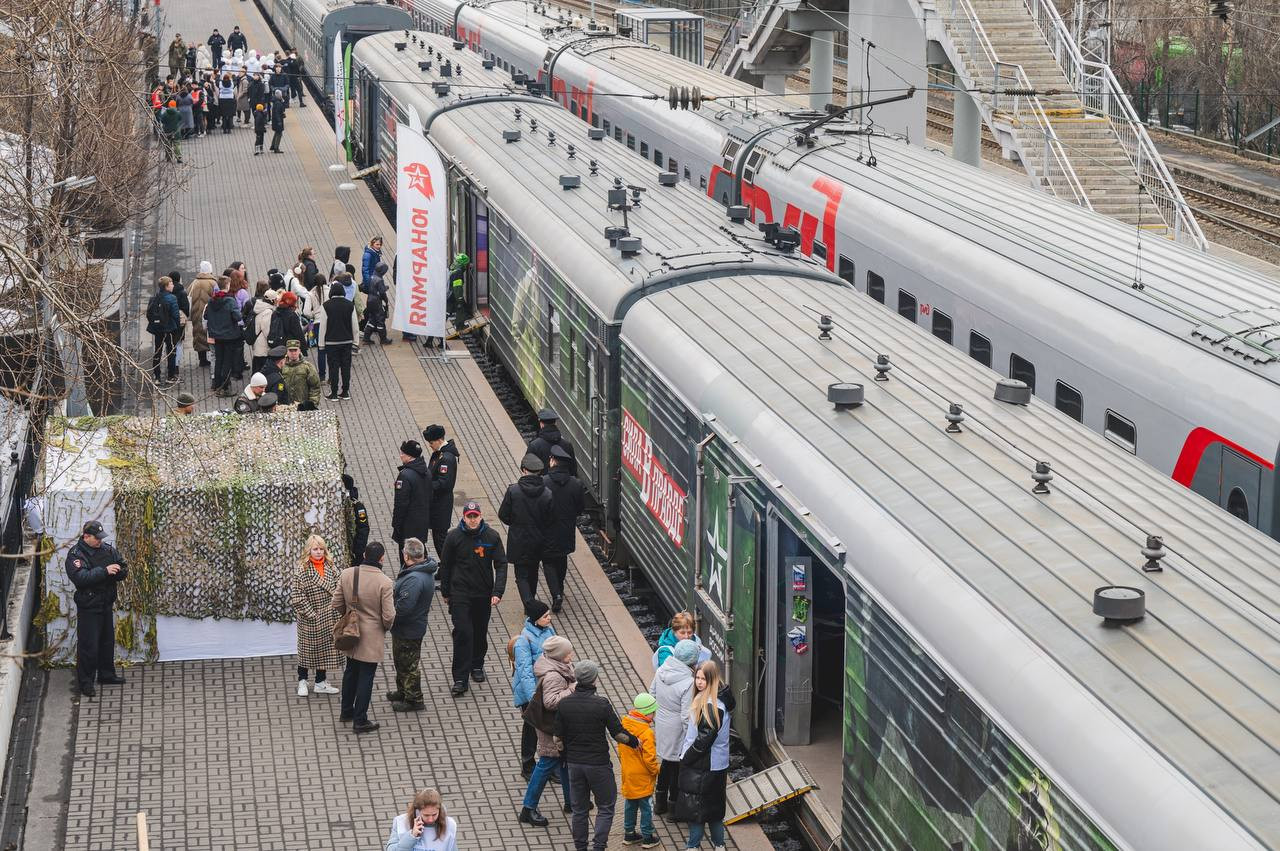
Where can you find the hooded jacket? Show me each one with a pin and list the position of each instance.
(262, 310)
(444, 473)
(548, 437)
(411, 512)
(221, 318)
(200, 293)
(568, 500)
(415, 586)
(527, 649)
(639, 766)
(473, 562)
(529, 513)
(337, 326)
(673, 687)
(369, 262)
(667, 643)
(556, 677)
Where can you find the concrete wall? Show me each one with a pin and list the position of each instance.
(22, 600)
(899, 55)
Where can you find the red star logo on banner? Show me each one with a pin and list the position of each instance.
(420, 179)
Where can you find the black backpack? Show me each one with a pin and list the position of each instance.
(276, 332)
(155, 312)
(250, 332)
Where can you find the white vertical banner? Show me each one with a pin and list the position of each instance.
(422, 236)
(339, 93)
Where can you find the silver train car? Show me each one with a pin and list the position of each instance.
(310, 26)
(882, 566)
(1167, 352)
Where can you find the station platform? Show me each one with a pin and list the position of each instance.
(223, 754)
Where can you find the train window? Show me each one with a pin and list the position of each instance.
(644, 150)
(1023, 370)
(979, 348)
(846, 269)
(658, 158)
(1238, 504)
(631, 141)
(702, 181)
(906, 305)
(1068, 400)
(875, 286)
(820, 251)
(687, 175)
(595, 120)
(572, 376)
(608, 128)
(1121, 431)
(942, 326)
(553, 334)
(617, 134)
(673, 166)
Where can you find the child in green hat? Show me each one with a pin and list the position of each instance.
(639, 772)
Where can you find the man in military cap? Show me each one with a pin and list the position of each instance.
(275, 379)
(444, 473)
(267, 402)
(548, 436)
(186, 405)
(95, 568)
(302, 382)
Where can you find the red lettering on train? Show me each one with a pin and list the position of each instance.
(659, 492)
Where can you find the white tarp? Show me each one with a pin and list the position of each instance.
(422, 236)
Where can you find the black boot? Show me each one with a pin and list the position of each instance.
(659, 804)
(533, 817)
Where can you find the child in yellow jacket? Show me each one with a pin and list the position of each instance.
(639, 772)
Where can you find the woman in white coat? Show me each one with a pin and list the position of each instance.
(263, 306)
(673, 687)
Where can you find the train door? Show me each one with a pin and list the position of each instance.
(804, 642)
(1241, 486)
(725, 593)
(369, 118)
(462, 221)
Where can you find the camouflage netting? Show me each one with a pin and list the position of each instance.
(212, 512)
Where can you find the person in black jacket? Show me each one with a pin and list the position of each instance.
(293, 67)
(568, 499)
(275, 379)
(444, 473)
(358, 521)
(259, 128)
(216, 41)
(548, 436)
(95, 568)
(237, 41)
(164, 318)
(704, 766)
(337, 340)
(184, 307)
(222, 326)
(277, 122)
(583, 719)
(473, 575)
(411, 512)
(528, 511)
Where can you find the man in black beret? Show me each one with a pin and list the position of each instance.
(444, 473)
(411, 511)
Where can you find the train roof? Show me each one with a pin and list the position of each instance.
(683, 234)
(993, 577)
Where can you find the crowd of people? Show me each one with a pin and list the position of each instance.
(221, 82)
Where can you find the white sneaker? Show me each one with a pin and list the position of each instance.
(323, 687)
(302, 688)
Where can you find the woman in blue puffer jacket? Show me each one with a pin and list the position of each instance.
(525, 650)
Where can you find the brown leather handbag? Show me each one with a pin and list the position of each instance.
(346, 633)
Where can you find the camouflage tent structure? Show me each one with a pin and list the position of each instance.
(211, 513)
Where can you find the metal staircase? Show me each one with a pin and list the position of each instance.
(771, 38)
(1065, 119)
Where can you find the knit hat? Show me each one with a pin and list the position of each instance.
(411, 448)
(585, 671)
(686, 651)
(531, 463)
(535, 608)
(557, 647)
(258, 380)
(433, 432)
(206, 268)
(645, 703)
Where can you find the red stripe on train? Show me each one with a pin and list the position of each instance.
(1193, 450)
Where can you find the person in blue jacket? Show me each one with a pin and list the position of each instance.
(525, 650)
(371, 258)
(682, 627)
(164, 320)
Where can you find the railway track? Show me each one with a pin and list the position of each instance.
(1234, 214)
(940, 118)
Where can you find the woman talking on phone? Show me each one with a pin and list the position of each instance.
(424, 826)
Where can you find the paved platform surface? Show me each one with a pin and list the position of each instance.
(223, 754)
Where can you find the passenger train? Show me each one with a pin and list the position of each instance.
(1167, 352)
(861, 514)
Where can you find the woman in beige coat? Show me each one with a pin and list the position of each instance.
(375, 613)
(314, 581)
(554, 672)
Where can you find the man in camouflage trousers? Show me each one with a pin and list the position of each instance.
(415, 586)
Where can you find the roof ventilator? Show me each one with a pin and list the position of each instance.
(1153, 552)
(533, 124)
(788, 239)
(617, 200)
(458, 45)
(519, 78)
(955, 416)
(738, 213)
(431, 51)
(534, 87)
(824, 328)
(551, 137)
(424, 65)
(487, 64)
(595, 168)
(613, 233)
(446, 70)
(629, 246)
(595, 134)
(845, 395)
(1013, 391)
(401, 45)
(570, 181)
(667, 178)
(882, 366)
(440, 88)
(518, 113)
(510, 136)
(571, 151)
(1041, 475)
(1119, 604)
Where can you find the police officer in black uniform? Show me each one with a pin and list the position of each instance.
(95, 567)
(444, 473)
(275, 379)
(548, 436)
(411, 511)
(358, 523)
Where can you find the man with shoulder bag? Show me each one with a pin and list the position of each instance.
(367, 608)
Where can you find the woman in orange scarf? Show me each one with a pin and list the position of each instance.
(314, 582)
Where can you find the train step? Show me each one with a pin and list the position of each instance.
(762, 790)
